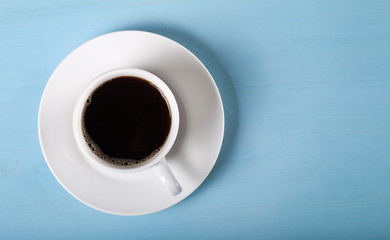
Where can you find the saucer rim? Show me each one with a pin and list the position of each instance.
(219, 144)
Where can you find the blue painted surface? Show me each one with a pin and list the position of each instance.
(306, 91)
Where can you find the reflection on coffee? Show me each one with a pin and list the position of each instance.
(126, 121)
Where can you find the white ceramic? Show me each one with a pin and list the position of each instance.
(193, 154)
(158, 161)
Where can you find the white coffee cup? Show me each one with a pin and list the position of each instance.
(158, 162)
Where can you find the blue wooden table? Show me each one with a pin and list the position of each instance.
(306, 91)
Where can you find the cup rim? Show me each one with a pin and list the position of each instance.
(104, 77)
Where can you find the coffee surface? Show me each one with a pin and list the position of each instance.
(126, 120)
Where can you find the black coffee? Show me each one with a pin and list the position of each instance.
(126, 120)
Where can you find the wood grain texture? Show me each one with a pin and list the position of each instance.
(306, 92)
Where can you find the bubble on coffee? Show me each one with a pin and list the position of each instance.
(115, 161)
(126, 121)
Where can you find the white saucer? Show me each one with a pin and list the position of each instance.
(201, 117)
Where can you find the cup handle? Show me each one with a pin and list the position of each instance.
(164, 172)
